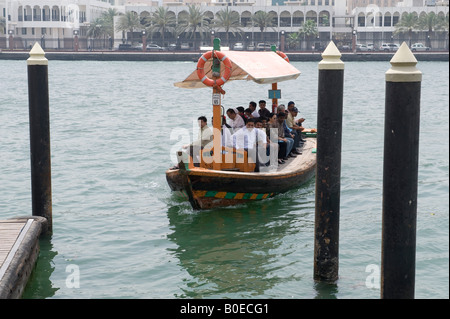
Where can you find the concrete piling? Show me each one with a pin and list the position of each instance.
(400, 176)
(38, 100)
(328, 172)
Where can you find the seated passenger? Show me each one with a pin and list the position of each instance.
(252, 140)
(269, 157)
(296, 129)
(236, 121)
(242, 114)
(205, 136)
(252, 107)
(248, 113)
(281, 108)
(262, 109)
(285, 140)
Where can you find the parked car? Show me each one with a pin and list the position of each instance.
(172, 47)
(251, 47)
(370, 47)
(184, 46)
(389, 47)
(362, 48)
(345, 48)
(419, 47)
(154, 47)
(238, 46)
(263, 47)
(124, 47)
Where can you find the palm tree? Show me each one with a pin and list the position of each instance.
(107, 20)
(293, 39)
(2, 24)
(162, 21)
(428, 22)
(407, 23)
(128, 22)
(443, 26)
(263, 20)
(96, 30)
(309, 29)
(196, 21)
(229, 20)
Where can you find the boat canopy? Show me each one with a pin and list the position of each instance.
(261, 67)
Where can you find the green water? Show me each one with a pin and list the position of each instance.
(119, 233)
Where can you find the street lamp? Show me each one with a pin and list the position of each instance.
(354, 41)
(212, 37)
(11, 39)
(144, 41)
(75, 40)
(282, 40)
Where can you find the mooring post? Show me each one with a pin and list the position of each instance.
(400, 176)
(328, 171)
(38, 102)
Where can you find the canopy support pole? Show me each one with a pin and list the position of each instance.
(217, 111)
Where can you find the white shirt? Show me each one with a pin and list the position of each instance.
(245, 138)
(226, 137)
(237, 123)
(205, 135)
(255, 113)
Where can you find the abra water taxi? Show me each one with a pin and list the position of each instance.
(230, 176)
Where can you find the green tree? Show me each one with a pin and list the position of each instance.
(443, 26)
(407, 24)
(293, 40)
(162, 21)
(2, 24)
(229, 21)
(129, 22)
(263, 20)
(107, 20)
(97, 30)
(428, 23)
(309, 30)
(196, 21)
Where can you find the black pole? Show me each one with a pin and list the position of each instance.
(38, 102)
(400, 176)
(328, 171)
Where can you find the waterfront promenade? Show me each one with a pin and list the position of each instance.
(194, 55)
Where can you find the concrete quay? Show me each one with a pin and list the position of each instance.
(193, 56)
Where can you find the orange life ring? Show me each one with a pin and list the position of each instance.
(283, 55)
(201, 71)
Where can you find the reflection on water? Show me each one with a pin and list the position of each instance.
(42, 287)
(232, 251)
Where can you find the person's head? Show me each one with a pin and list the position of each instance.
(262, 104)
(248, 112)
(281, 117)
(250, 124)
(294, 111)
(202, 121)
(231, 114)
(259, 123)
(291, 105)
(240, 110)
(263, 120)
(281, 108)
(252, 105)
(272, 118)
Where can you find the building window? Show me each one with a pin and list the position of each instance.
(24, 31)
(32, 31)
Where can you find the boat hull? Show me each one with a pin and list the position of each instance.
(207, 189)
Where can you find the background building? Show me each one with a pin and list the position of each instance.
(56, 23)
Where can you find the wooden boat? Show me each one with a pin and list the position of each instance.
(222, 182)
